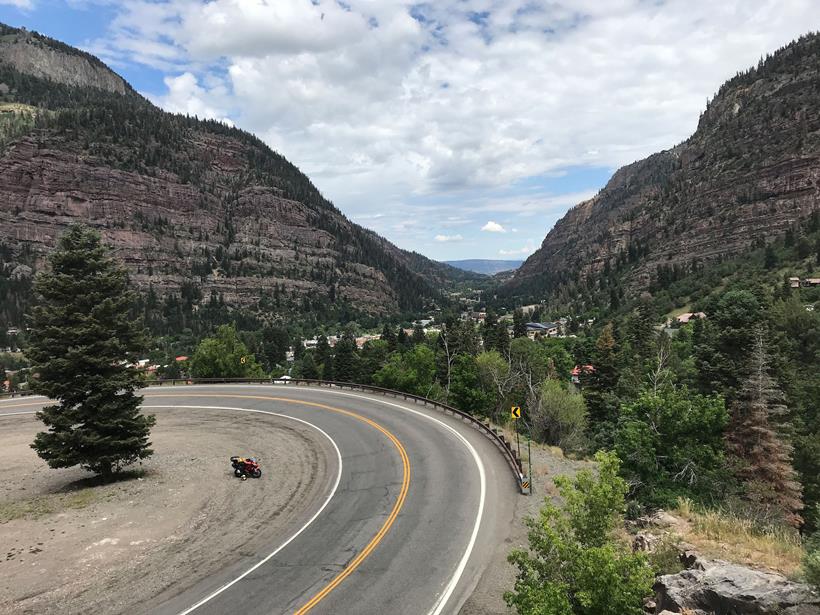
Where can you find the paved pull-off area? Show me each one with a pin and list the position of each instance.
(366, 505)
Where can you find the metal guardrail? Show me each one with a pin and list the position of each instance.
(510, 455)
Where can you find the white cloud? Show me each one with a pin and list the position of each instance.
(388, 104)
(448, 238)
(493, 227)
(20, 4)
(525, 250)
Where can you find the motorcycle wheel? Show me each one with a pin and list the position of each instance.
(257, 473)
(237, 472)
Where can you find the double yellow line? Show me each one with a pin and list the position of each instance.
(405, 485)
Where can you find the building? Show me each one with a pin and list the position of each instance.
(541, 329)
(580, 370)
(688, 316)
(811, 282)
(794, 282)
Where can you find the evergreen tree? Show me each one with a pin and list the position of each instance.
(762, 455)
(324, 358)
(769, 257)
(346, 359)
(275, 342)
(519, 324)
(418, 336)
(306, 367)
(403, 340)
(389, 336)
(494, 334)
(600, 388)
(83, 340)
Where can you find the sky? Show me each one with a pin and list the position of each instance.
(456, 128)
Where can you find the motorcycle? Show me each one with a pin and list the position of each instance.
(245, 466)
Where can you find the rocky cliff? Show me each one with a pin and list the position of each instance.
(190, 206)
(749, 173)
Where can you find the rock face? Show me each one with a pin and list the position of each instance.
(749, 173)
(35, 54)
(194, 208)
(727, 589)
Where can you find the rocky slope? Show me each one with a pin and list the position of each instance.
(749, 173)
(190, 206)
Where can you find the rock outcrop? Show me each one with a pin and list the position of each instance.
(749, 173)
(728, 589)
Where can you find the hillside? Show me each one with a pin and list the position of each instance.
(749, 173)
(485, 266)
(198, 211)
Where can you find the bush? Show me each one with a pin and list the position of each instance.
(560, 417)
(671, 443)
(574, 565)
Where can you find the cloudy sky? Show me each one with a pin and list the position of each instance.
(457, 128)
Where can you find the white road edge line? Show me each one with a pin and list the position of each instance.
(261, 562)
(438, 607)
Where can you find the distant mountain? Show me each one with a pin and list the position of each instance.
(202, 214)
(750, 173)
(485, 266)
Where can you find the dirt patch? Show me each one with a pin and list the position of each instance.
(69, 545)
(547, 463)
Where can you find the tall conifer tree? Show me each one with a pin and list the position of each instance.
(83, 341)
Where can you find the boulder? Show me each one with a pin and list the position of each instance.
(728, 589)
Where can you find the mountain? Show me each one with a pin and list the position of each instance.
(200, 212)
(485, 266)
(749, 173)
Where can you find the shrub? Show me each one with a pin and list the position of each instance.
(574, 565)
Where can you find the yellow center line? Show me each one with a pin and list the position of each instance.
(405, 485)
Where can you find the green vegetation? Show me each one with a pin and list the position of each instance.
(575, 565)
(82, 339)
(224, 356)
(812, 559)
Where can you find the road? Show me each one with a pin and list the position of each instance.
(413, 509)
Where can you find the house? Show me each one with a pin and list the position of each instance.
(794, 282)
(181, 359)
(688, 316)
(541, 329)
(811, 282)
(578, 371)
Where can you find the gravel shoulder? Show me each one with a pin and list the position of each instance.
(67, 545)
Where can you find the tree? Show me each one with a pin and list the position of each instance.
(306, 367)
(494, 334)
(413, 372)
(419, 336)
(373, 356)
(275, 344)
(575, 565)
(83, 344)
(762, 456)
(671, 444)
(346, 359)
(600, 388)
(224, 356)
(519, 324)
(324, 358)
(559, 417)
(389, 336)
(769, 257)
(466, 390)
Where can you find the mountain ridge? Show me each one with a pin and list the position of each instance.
(749, 173)
(195, 208)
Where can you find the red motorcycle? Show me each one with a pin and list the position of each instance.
(246, 466)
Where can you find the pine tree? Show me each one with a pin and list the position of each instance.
(346, 359)
(324, 358)
(403, 340)
(83, 341)
(418, 336)
(389, 336)
(763, 456)
(600, 388)
(519, 324)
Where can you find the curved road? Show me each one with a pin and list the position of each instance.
(414, 506)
